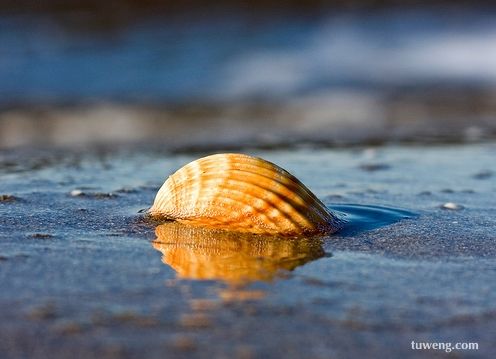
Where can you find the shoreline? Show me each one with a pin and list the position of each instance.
(337, 119)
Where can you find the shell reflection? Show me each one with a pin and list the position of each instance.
(200, 253)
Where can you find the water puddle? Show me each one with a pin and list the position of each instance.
(359, 218)
(238, 258)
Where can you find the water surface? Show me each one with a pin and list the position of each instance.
(82, 274)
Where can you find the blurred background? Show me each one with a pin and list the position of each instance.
(225, 74)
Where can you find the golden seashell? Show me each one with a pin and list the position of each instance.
(241, 193)
(237, 258)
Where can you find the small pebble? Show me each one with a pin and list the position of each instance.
(372, 167)
(127, 190)
(103, 195)
(96, 195)
(77, 192)
(452, 206)
(7, 198)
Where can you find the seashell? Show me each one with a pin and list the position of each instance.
(241, 193)
(238, 258)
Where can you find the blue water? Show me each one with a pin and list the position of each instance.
(234, 57)
(358, 218)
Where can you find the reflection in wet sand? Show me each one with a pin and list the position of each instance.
(198, 253)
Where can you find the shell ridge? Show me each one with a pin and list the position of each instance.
(301, 210)
(298, 190)
(246, 203)
(242, 193)
(293, 184)
(167, 196)
(273, 205)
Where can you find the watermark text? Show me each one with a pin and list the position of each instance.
(447, 346)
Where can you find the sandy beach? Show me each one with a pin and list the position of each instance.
(81, 274)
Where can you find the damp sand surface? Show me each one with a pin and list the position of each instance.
(83, 275)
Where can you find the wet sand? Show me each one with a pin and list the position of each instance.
(81, 273)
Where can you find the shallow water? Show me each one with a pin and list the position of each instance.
(358, 218)
(219, 56)
(82, 274)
